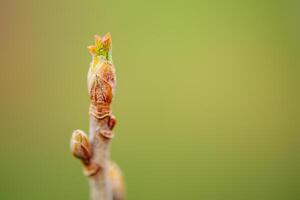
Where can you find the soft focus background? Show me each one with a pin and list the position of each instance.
(207, 100)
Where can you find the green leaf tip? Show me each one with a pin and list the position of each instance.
(102, 47)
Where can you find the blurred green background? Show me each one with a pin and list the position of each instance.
(207, 99)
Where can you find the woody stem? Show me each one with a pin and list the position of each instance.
(100, 187)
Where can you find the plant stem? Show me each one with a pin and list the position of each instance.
(94, 153)
(100, 186)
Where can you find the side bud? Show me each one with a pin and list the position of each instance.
(80, 146)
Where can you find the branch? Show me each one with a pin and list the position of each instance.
(95, 154)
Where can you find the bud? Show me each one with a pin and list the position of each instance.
(101, 76)
(80, 146)
(112, 122)
(117, 181)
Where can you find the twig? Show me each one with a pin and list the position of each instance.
(106, 182)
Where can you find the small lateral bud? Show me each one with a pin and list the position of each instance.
(117, 181)
(112, 122)
(80, 146)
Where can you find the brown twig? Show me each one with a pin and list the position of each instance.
(106, 182)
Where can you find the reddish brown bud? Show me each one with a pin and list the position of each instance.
(101, 75)
(112, 122)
